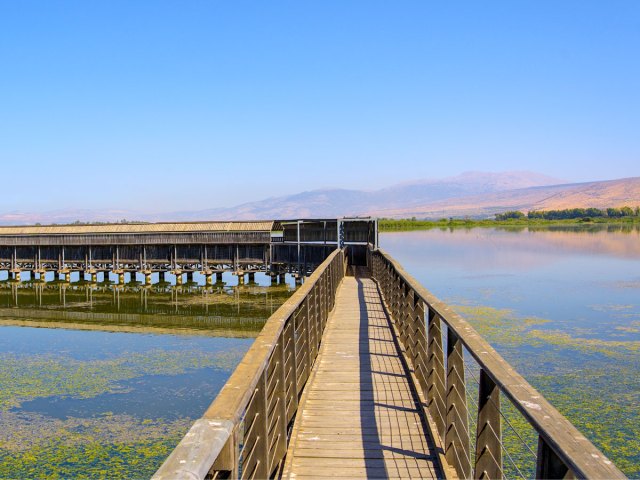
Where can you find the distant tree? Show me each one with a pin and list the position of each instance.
(510, 215)
(594, 212)
(614, 212)
(626, 211)
(583, 213)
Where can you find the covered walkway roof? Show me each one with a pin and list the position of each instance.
(139, 228)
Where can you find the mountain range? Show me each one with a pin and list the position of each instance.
(473, 194)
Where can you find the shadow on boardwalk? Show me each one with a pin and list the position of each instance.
(358, 417)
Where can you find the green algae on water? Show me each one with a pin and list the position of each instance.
(28, 377)
(567, 369)
(117, 446)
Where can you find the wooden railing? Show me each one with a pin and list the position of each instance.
(244, 433)
(437, 342)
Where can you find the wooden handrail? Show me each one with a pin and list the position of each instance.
(563, 452)
(243, 433)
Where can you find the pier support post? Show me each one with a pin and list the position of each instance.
(252, 278)
(189, 277)
(178, 275)
(94, 277)
(282, 278)
(207, 279)
(80, 275)
(132, 277)
(161, 277)
(105, 276)
(121, 278)
(147, 278)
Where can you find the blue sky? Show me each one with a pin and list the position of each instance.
(187, 105)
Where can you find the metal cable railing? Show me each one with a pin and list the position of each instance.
(244, 433)
(441, 346)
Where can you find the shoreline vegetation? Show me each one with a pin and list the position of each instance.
(583, 217)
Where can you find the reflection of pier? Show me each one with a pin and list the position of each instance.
(214, 326)
(153, 250)
(62, 300)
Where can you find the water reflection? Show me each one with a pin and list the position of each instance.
(512, 247)
(561, 304)
(206, 309)
(114, 374)
(566, 277)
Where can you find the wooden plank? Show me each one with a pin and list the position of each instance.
(358, 416)
(369, 451)
(371, 472)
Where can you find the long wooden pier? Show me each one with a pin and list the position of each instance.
(376, 378)
(275, 247)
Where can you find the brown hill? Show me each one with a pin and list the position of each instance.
(475, 194)
(611, 193)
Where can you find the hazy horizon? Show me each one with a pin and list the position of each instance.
(214, 205)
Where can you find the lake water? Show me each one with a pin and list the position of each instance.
(102, 381)
(562, 305)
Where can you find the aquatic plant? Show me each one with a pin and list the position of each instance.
(25, 377)
(567, 369)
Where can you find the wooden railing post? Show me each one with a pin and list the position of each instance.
(395, 285)
(311, 302)
(307, 333)
(264, 429)
(420, 343)
(260, 431)
(289, 342)
(548, 464)
(436, 390)
(325, 293)
(302, 348)
(278, 436)
(318, 317)
(457, 446)
(406, 310)
(489, 433)
(228, 460)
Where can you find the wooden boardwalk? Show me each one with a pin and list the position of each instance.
(358, 417)
(359, 414)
